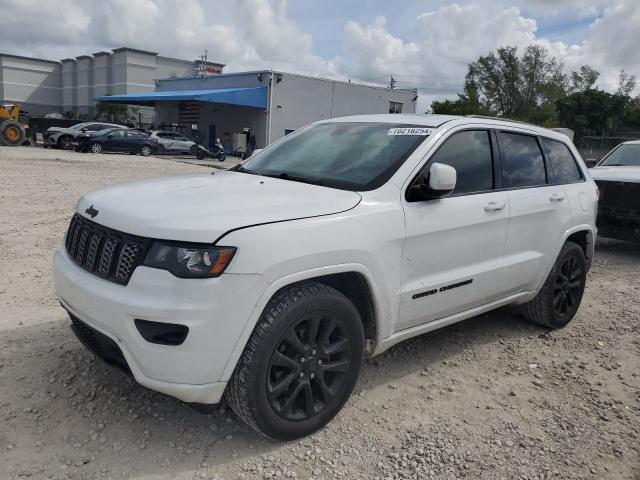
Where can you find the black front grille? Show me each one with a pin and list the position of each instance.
(105, 252)
(99, 344)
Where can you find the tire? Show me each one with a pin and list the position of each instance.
(12, 133)
(161, 150)
(559, 298)
(95, 148)
(64, 142)
(287, 385)
(145, 150)
(222, 157)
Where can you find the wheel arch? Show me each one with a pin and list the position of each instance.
(583, 236)
(354, 281)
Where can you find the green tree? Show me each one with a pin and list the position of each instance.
(626, 83)
(584, 79)
(113, 112)
(592, 112)
(519, 87)
(468, 102)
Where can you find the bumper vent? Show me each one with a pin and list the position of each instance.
(102, 251)
(99, 344)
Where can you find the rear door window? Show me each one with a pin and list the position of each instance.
(469, 152)
(563, 166)
(522, 161)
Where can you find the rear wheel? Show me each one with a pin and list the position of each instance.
(560, 296)
(300, 364)
(95, 148)
(222, 157)
(12, 133)
(145, 150)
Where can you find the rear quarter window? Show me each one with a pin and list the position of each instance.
(563, 165)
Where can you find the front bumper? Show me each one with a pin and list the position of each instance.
(216, 311)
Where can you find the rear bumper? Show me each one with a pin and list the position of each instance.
(215, 310)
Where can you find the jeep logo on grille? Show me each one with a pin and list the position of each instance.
(91, 211)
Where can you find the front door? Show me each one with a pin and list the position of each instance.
(452, 259)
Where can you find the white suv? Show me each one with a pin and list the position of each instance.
(267, 283)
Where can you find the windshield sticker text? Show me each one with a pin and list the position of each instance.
(409, 131)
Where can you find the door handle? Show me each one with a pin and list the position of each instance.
(557, 197)
(494, 206)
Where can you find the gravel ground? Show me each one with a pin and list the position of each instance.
(493, 397)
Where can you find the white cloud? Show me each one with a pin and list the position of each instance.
(432, 52)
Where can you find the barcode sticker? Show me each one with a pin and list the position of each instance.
(409, 131)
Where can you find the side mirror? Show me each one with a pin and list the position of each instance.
(439, 182)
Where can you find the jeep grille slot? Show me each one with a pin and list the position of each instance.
(105, 252)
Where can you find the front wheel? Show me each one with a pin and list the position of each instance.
(65, 142)
(301, 363)
(222, 157)
(145, 150)
(559, 298)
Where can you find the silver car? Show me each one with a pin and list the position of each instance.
(172, 142)
(64, 137)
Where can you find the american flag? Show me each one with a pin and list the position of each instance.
(188, 112)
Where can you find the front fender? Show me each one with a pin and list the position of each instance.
(381, 307)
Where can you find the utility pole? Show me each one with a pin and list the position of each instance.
(203, 65)
(392, 83)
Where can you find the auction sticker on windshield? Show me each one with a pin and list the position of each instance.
(409, 131)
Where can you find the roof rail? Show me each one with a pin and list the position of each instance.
(486, 117)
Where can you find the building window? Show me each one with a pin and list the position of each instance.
(395, 107)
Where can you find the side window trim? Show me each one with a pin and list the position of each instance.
(547, 154)
(498, 131)
(430, 156)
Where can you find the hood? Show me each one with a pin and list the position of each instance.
(201, 208)
(616, 174)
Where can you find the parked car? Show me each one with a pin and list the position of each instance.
(116, 140)
(267, 283)
(618, 178)
(172, 142)
(61, 137)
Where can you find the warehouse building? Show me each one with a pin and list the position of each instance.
(261, 106)
(70, 85)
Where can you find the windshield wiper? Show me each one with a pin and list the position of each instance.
(242, 169)
(616, 165)
(294, 178)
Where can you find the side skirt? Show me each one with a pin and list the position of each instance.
(443, 322)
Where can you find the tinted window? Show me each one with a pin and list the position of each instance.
(470, 154)
(522, 162)
(136, 134)
(116, 133)
(563, 165)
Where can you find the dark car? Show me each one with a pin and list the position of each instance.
(618, 178)
(117, 140)
(64, 137)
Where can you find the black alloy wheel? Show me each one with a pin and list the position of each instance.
(567, 290)
(559, 298)
(308, 366)
(300, 364)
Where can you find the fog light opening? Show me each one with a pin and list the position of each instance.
(162, 333)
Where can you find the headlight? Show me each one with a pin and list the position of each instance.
(189, 260)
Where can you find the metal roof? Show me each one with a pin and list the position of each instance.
(255, 97)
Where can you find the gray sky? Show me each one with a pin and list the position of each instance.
(426, 44)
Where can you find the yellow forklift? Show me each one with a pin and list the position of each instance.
(12, 131)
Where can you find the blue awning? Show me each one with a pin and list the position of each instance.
(247, 97)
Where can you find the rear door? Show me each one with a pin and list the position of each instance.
(452, 258)
(539, 211)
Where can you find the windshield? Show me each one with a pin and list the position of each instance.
(625, 155)
(103, 132)
(347, 155)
